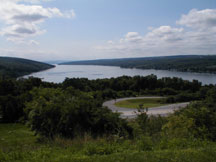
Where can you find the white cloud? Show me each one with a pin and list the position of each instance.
(110, 42)
(69, 14)
(195, 35)
(27, 1)
(166, 33)
(34, 42)
(132, 37)
(34, 53)
(22, 20)
(204, 19)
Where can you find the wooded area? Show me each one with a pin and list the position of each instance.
(61, 114)
(187, 63)
(16, 67)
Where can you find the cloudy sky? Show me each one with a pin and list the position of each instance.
(47, 30)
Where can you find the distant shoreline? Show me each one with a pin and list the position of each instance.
(184, 63)
(174, 70)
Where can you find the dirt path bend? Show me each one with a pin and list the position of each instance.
(130, 113)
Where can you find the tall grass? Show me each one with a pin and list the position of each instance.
(18, 143)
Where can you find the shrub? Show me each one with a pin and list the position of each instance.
(57, 112)
(145, 144)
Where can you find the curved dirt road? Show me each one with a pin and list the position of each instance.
(130, 113)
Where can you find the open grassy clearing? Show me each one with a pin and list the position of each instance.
(67, 155)
(19, 144)
(16, 136)
(146, 103)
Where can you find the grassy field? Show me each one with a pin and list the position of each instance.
(17, 143)
(146, 103)
(16, 136)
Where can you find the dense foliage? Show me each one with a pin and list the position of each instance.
(70, 113)
(71, 124)
(179, 90)
(74, 107)
(191, 63)
(16, 67)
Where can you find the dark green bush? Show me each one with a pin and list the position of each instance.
(57, 112)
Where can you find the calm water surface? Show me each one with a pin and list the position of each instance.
(60, 72)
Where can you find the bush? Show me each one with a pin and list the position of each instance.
(57, 112)
(99, 149)
(150, 125)
(145, 144)
(11, 108)
(179, 126)
(197, 120)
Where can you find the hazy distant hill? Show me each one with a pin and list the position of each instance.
(15, 67)
(55, 61)
(192, 63)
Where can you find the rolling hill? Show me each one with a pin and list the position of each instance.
(185, 63)
(16, 67)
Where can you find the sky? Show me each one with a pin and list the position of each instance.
(47, 30)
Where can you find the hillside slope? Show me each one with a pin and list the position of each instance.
(190, 63)
(16, 67)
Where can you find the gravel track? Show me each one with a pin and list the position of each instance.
(131, 113)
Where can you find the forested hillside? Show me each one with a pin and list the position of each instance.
(190, 63)
(16, 67)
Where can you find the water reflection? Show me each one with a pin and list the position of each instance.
(60, 72)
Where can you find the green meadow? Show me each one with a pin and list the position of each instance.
(18, 143)
(136, 103)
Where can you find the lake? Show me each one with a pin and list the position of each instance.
(60, 72)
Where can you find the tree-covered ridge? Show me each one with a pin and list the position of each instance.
(16, 67)
(189, 63)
